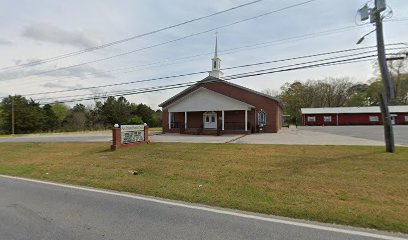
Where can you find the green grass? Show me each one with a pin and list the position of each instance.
(359, 186)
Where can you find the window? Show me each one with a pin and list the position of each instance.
(327, 118)
(207, 118)
(215, 65)
(212, 118)
(262, 118)
(406, 118)
(172, 117)
(172, 120)
(373, 118)
(311, 119)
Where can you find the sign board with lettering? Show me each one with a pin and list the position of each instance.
(132, 133)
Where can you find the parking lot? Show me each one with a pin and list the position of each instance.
(375, 133)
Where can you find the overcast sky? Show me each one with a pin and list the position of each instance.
(33, 30)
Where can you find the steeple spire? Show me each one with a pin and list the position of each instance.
(216, 63)
(216, 47)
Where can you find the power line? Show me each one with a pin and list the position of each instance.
(42, 61)
(228, 78)
(228, 68)
(246, 73)
(228, 51)
(171, 41)
(225, 52)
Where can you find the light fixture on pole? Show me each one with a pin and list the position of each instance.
(363, 37)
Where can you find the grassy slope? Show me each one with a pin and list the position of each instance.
(360, 186)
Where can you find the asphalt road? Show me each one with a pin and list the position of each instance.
(61, 137)
(33, 210)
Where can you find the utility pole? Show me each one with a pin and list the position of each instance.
(388, 91)
(12, 115)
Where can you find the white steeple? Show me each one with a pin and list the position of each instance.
(216, 63)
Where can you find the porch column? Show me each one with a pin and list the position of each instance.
(246, 120)
(185, 119)
(169, 120)
(223, 120)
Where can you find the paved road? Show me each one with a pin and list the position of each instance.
(33, 210)
(61, 137)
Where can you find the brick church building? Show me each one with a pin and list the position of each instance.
(216, 106)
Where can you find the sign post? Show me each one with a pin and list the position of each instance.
(129, 135)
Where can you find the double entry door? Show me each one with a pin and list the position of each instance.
(210, 120)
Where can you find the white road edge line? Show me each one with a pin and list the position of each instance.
(207, 209)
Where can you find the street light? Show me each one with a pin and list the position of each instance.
(363, 37)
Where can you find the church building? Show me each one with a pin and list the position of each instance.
(216, 106)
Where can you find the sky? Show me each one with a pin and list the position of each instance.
(35, 30)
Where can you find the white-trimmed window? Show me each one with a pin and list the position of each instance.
(311, 119)
(262, 118)
(406, 118)
(327, 118)
(373, 118)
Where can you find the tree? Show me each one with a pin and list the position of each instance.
(330, 92)
(147, 114)
(61, 111)
(1, 118)
(271, 92)
(50, 122)
(399, 77)
(27, 114)
(358, 95)
(77, 119)
(116, 111)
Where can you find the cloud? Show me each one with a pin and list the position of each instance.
(61, 86)
(82, 72)
(5, 42)
(49, 33)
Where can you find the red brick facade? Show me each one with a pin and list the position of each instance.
(233, 119)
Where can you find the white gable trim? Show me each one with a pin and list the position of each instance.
(204, 99)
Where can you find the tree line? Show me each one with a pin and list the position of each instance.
(31, 117)
(341, 92)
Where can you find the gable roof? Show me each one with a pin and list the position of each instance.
(211, 79)
(203, 99)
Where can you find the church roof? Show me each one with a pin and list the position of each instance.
(211, 79)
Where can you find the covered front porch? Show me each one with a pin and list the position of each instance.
(207, 112)
(211, 122)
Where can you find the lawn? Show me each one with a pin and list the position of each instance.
(359, 186)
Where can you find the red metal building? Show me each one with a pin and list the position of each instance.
(352, 116)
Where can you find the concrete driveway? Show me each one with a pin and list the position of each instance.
(293, 136)
(175, 137)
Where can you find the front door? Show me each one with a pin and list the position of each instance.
(210, 119)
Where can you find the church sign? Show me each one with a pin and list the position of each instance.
(132, 133)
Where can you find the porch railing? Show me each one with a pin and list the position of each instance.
(236, 126)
